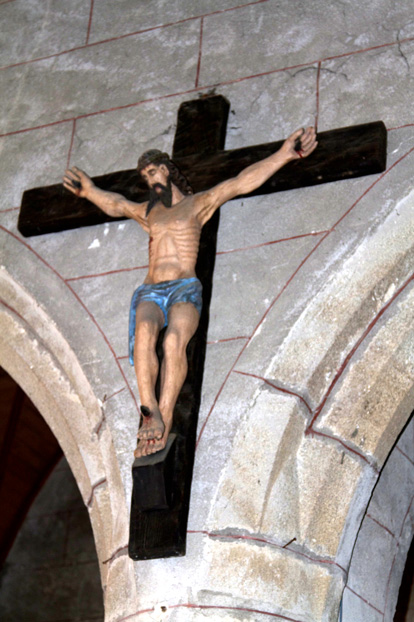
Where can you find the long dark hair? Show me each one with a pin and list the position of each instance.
(157, 157)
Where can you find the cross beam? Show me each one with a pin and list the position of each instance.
(341, 154)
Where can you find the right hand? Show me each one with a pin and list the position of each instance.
(77, 181)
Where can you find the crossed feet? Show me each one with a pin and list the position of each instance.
(153, 432)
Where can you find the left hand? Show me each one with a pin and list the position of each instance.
(307, 142)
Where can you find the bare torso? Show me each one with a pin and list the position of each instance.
(174, 240)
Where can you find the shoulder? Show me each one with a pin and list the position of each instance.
(136, 211)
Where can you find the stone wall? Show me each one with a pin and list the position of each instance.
(309, 368)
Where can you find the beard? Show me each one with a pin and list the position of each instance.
(165, 196)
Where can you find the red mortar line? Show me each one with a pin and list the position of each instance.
(199, 52)
(381, 525)
(372, 186)
(12, 309)
(106, 399)
(254, 331)
(381, 312)
(223, 607)
(274, 386)
(374, 47)
(234, 250)
(350, 354)
(80, 302)
(344, 445)
(400, 127)
(269, 543)
(293, 237)
(89, 23)
(94, 487)
(128, 34)
(6, 1)
(405, 455)
(225, 340)
(94, 276)
(363, 599)
(120, 551)
(9, 209)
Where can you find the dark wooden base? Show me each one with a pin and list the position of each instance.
(152, 477)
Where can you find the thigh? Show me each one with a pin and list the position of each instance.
(150, 315)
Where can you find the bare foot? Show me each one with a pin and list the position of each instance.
(150, 446)
(152, 426)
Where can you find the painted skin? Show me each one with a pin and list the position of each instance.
(173, 248)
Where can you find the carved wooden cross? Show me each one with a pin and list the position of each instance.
(198, 152)
(161, 494)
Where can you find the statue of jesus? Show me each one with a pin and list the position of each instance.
(171, 295)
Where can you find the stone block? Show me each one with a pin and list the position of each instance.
(45, 152)
(215, 443)
(356, 609)
(312, 497)
(263, 577)
(110, 20)
(35, 94)
(270, 433)
(374, 551)
(261, 272)
(393, 493)
(35, 29)
(370, 414)
(373, 85)
(265, 37)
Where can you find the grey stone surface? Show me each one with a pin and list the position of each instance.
(215, 444)
(32, 159)
(34, 94)
(253, 277)
(275, 38)
(366, 87)
(37, 28)
(281, 101)
(355, 608)
(220, 358)
(368, 578)
(127, 16)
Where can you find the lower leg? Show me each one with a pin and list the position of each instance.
(148, 325)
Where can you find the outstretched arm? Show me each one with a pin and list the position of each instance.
(300, 144)
(111, 203)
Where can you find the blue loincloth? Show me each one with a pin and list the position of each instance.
(165, 295)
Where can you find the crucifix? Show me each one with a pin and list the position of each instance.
(163, 469)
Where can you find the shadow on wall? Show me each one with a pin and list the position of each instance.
(51, 571)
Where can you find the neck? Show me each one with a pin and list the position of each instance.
(177, 195)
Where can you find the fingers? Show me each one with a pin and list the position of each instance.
(72, 179)
(305, 141)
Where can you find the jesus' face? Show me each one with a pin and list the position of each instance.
(159, 182)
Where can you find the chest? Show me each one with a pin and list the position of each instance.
(176, 219)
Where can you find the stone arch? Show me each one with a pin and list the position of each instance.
(326, 412)
(35, 352)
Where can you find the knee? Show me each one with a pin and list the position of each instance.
(146, 332)
(173, 344)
